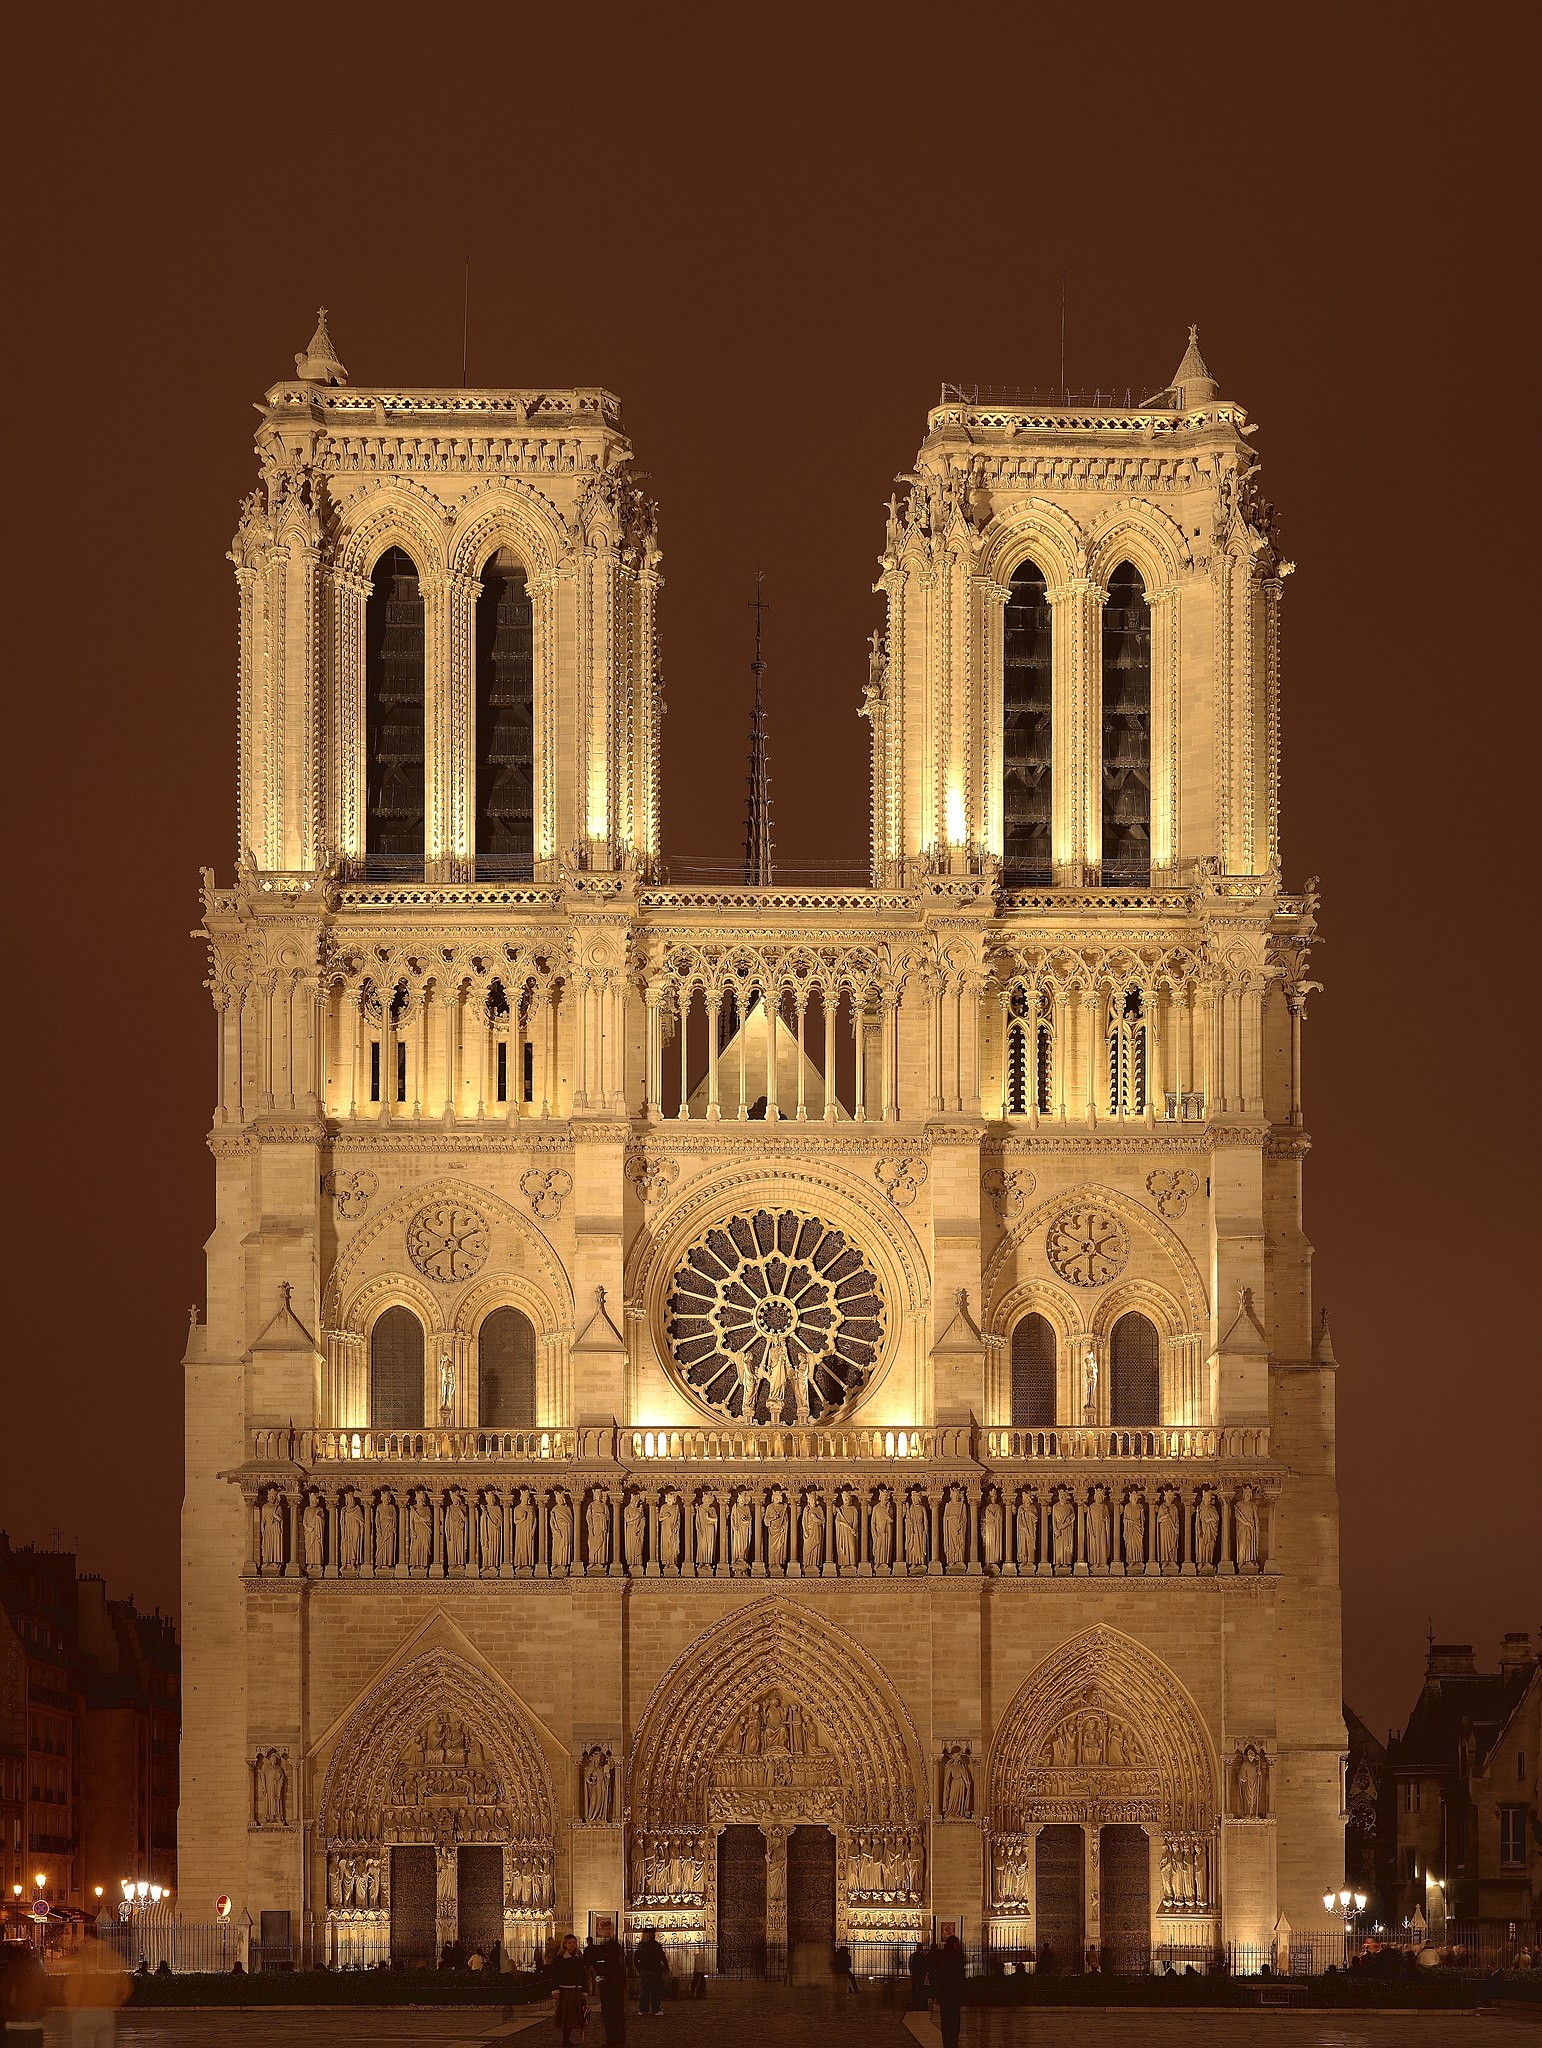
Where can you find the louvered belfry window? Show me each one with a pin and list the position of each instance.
(396, 1371)
(394, 705)
(1033, 1373)
(1026, 847)
(1135, 1373)
(505, 714)
(1126, 731)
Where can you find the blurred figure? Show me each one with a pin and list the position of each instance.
(948, 1989)
(652, 1968)
(23, 1995)
(568, 1983)
(920, 1966)
(93, 1986)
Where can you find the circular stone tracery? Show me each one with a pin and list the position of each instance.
(775, 1318)
(1087, 1246)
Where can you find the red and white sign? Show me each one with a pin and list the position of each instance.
(222, 1905)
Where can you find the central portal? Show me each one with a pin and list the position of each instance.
(741, 1899)
(810, 1888)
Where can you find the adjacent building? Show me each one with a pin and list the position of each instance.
(772, 1412)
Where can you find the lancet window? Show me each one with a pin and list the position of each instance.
(1134, 1373)
(1127, 1061)
(1126, 731)
(393, 717)
(506, 1370)
(1030, 1055)
(396, 1371)
(1026, 758)
(1033, 1373)
(505, 722)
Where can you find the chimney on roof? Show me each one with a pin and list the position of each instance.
(1449, 1660)
(1514, 1653)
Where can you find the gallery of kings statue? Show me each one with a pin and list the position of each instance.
(779, 1414)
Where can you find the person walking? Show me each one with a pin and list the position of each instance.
(608, 1961)
(568, 1984)
(652, 1969)
(920, 1965)
(843, 1970)
(948, 1975)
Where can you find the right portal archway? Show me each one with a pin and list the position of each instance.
(1104, 1739)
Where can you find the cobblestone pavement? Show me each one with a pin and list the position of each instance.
(741, 2017)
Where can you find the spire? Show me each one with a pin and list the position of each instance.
(1193, 381)
(757, 810)
(319, 363)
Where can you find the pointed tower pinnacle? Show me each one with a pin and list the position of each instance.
(319, 363)
(757, 810)
(1192, 381)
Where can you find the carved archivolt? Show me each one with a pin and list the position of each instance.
(1103, 1730)
(438, 1748)
(689, 1757)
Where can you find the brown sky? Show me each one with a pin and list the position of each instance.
(775, 232)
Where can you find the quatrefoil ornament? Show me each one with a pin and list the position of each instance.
(1172, 1192)
(546, 1192)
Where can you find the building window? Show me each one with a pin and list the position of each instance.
(503, 1070)
(396, 1371)
(1127, 1055)
(401, 1070)
(1135, 1373)
(1026, 712)
(393, 717)
(1409, 1859)
(374, 1070)
(505, 722)
(1126, 731)
(506, 1371)
(1512, 1837)
(1412, 1795)
(1030, 1054)
(1033, 1373)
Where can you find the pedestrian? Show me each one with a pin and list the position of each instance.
(948, 1989)
(920, 1963)
(652, 1969)
(608, 1961)
(23, 1995)
(93, 1986)
(843, 1970)
(568, 1984)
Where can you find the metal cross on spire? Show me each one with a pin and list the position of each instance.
(757, 819)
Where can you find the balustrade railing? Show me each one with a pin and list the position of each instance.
(426, 1446)
(1101, 1445)
(850, 1444)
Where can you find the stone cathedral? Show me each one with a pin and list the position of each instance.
(773, 1413)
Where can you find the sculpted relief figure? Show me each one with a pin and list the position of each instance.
(1133, 1529)
(1250, 1782)
(882, 1529)
(1027, 1532)
(634, 1530)
(272, 1788)
(1168, 1526)
(955, 1529)
(778, 1530)
(457, 1532)
(526, 1521)
(271, 1552)
(597, 1530)
(420, 1532)
(741, 1531)
(957, 1782)
(848, 1530)
(670, 1520)
(1062, 1516)
(385, 1531)
(561, 1552)
(811, 1530)
(917, 1517)
(490, 1531)
(1244, 1517)
(350, 1533)
(993, 1531)
(1207, 1530)
(598, 1773)
(706, 1533)
(313, 1524)
(1099, 1530)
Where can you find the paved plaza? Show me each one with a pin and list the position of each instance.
(778, 2018)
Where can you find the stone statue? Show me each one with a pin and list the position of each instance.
(597, 1784)
(350, 1533)
(1244, 1516)
(272, 1518)
(446, 1383)
(778, 1530)
(313, 1524)
(272, 1788)
(1090, 1385)
(457, 1532)
(669, 1529)
(1250, 1782)
(848, 1530)
(385, 1531)
(706, 1533)
(1168, 1529)
(1100, 1530)
(957, 1782)
(881, 1525)
(526, 1523)
(811, 1533)
(490, 1531)
(1027, 1532)
(1062, 1516)
(955, 1529)
(597, 1530)
(372, 1882)
(561, 1553)
(741, 1530)
(1207, 1529)
(993, 1531)
(1132, 1522)
(634, 1530)
(917, 1516)
(420, 1532)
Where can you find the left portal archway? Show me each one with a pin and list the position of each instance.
(436, 1759)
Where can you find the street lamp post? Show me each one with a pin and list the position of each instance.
(139, 1895)
(1351, 1905)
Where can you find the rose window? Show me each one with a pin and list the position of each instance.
(775, 1318)
(1087, 1246)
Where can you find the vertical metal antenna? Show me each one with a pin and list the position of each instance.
(1062, 338)
(757, 820)
(465, 323)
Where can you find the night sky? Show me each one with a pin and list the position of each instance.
(775, 233)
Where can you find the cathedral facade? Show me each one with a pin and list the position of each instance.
(775, 1414)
